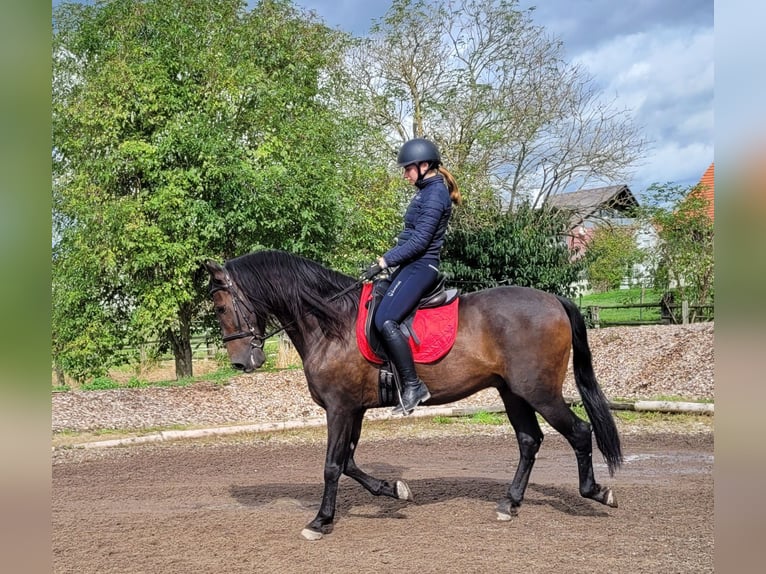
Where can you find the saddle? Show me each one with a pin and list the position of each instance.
(431, 327)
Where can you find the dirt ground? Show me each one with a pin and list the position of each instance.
(238, 504)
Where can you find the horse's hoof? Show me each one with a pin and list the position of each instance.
(604, 495)
(506, 511)
(403, 491)
(309, 534)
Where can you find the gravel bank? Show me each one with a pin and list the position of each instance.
(630, 362)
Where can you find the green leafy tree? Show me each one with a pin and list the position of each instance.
(182, 130)
(611, 254)
(523, 247)
(86, 328)
(683, 260)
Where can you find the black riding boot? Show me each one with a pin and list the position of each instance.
(400, 354)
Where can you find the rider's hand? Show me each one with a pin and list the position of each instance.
(374, 269)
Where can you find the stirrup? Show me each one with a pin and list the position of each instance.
(424, 396)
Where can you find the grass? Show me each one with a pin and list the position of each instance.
(486, 418)
(480, 418)
(461, 425)
(221, 376)
(160, 373)
(632, 417)
(649, 418)
(620, 297)
(100, 384)
(677, 399)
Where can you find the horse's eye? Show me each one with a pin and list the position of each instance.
(220, 310)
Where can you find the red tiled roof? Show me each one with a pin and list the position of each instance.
(707, 190)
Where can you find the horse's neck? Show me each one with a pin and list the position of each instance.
(303, 328)
(310, 339)
(306, 336)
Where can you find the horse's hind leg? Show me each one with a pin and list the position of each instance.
(578, 434)
(373, 485)
(529, 436)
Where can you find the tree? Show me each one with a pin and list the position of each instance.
(86, 329)
(493, 90)
(684, 258)
(520, 247)
(612, 252)
(182, 130)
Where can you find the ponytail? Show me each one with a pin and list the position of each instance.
(449, 179)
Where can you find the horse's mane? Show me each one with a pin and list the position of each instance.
(289, 287)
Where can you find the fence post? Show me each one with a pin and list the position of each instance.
(685, 312)
(593, 316)
(286, 354)
(666, 310)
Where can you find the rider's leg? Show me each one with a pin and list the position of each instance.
(408, 285)
(398, 349)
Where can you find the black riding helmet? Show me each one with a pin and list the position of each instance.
(418, 150)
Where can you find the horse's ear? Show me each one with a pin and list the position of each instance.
(214, 268)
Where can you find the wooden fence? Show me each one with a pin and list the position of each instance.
(203, 347)
(596, 316)
(647, 314)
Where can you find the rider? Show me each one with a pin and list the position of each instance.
(417, 256)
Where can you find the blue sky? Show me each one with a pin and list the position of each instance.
(653, 57)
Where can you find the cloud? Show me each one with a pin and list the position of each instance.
(675, 163)
(349, 15)
(585, 25)
(652, 57)
(666, 79)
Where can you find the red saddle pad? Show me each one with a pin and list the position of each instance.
(435, 328)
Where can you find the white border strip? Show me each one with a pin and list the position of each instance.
(373, 414)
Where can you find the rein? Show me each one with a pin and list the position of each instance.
(258, 340)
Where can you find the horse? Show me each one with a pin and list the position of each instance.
(515, 339)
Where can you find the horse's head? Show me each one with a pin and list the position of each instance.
(241, 328)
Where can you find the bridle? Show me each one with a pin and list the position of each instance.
(257, 340)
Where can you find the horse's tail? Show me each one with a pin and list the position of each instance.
(593, 398)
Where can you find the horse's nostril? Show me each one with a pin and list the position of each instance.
(238, 366)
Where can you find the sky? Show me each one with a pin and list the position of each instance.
(654, 58)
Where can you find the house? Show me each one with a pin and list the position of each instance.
(706, 188)
(613, 205)
(590, 208)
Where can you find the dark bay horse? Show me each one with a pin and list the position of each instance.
(515, 339)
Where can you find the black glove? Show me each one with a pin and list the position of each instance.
(374, 269)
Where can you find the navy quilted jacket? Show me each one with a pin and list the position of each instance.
(425, 224)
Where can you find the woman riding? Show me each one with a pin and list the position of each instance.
(417, 256)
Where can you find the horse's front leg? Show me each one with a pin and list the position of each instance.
(340, 424)
(373, 485)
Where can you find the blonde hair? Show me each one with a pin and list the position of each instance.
(454, 191)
